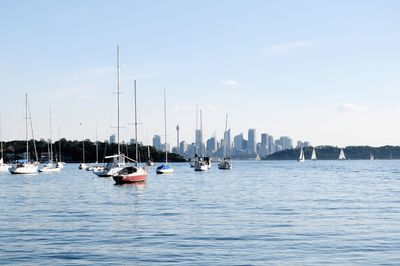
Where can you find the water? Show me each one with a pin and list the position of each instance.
(258, 213)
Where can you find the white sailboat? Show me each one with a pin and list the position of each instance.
(202, 163)
(83, 165)
(118, 160)
(371, 156)
(225, 162)
(59, 163)
(25, 166)
(165, 168)
(313, 155)
(3, 167)
(341, 155)
(50, 166)
(132, 174)
(301, 156)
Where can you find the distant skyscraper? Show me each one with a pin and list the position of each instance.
(238, 142)
(112, 139)
(211, 145)
(286, 143)
(252, 141)
(227, 142)
(271, 145)
(183, 147)
(199, 142)
(157, 142)
(264, 139)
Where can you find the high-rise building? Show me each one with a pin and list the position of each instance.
(199, 142)
(157, 142)
(264, 139)
(112, 139)
(227, 142)
(286, 143)
(211, 145)
(238, 142)
(252, 141)
(183, 147)
(271, 145)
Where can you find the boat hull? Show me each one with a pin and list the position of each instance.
(50, 169)
(106, 172)
(201, 168)
(130, 178)
(23, 170)
(4, 167)
(165, 171)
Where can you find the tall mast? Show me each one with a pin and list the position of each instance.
(165, 127)
(197, 126)
(59, 144)
(1, 140)
(97, 147)
(26, 126)
(136, 141)
(33, 136)
(225, 133)
(201, 133)
(51, 145)
(118, 74)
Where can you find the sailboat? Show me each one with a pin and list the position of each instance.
(201, 163)
(82, 165)
(25, 166)
(225, 162)
(132, 174)
(149, 161)
(59, 163)
(3, 167)
(49, 166)
(313, 155)
(118, 160)
(301, 156)
(371, 156)
(165, 168)
(341, 155)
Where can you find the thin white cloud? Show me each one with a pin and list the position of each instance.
(284, 47)
(229, 83)
(351, 107)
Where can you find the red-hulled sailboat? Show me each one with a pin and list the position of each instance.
(132, 174)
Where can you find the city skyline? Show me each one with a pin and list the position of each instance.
(316, 71)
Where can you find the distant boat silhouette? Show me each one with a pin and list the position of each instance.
(313, 155)
(301, 156)
(341, 155)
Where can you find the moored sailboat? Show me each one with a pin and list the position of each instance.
(132, 174)
(118, 162)
(3, 166)
(225, 162)
(165, 168)
(25, 166)
(50, 166)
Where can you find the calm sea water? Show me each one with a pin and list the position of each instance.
(312, 213)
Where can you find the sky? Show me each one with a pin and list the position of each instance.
(321, 71)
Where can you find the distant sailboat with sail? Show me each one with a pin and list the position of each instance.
(313, 155)
(371, 157)
(50, 166)
(301, 156)
(341, 155)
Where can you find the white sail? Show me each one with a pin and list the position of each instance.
(341, 155)
(313, 155)
(371, 156)
(301, 156)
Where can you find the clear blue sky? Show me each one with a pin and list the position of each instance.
(323, 71)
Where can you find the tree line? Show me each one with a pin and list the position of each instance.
(72, 151)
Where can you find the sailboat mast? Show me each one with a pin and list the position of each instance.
(165, 127)
(1, 140)
(136, 142)
(225, 134)
(59, 144)
(51, 145)
(33, 136)
(97, 147)
(118, 78)
(26, 126)
(197, 126)
(201, 133)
